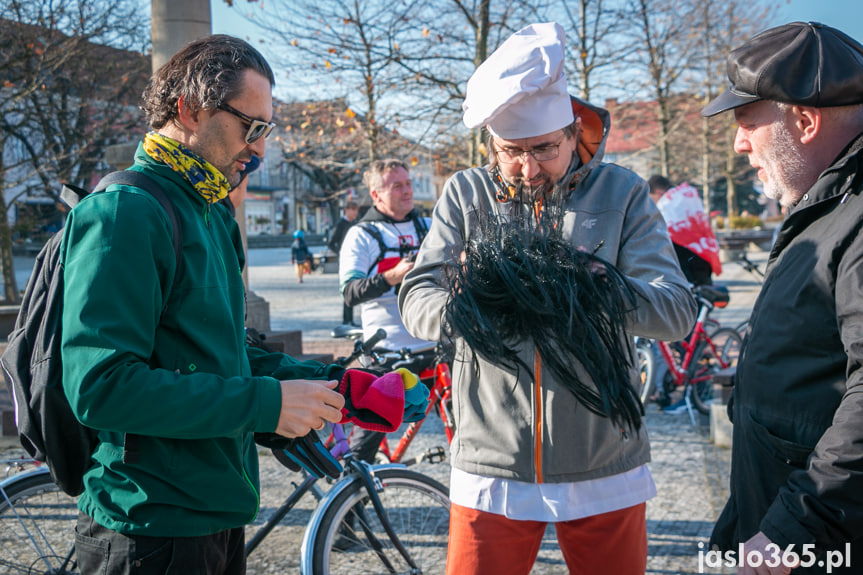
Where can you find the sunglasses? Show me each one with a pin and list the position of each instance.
(257, 128)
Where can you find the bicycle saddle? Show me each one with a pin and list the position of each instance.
(717, 295)
(348, 331)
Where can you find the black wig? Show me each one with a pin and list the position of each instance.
(520, 280)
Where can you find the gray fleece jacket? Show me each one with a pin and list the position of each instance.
(533, 429)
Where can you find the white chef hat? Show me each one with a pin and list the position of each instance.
(520, 90)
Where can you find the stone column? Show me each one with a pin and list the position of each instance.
(175, 24)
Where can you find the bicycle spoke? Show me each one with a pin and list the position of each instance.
(348, 533)
(37, 530)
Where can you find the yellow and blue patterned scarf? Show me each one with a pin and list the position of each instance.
(207, 180)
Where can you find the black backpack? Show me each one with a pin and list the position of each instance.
(47, 428)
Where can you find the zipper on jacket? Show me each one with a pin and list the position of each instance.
(537, 391)
(255, 491)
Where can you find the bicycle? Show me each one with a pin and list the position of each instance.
(435, 371)
(400, 521)
(404, 529)
(380, 518)
(37, 521)
(692, 362)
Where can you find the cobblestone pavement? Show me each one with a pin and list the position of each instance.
(691, 474)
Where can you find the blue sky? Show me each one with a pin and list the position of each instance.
(846, 15)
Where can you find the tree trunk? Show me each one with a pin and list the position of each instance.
(480, 54)
(10, 284)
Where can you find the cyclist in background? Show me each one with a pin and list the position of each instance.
(300, 255)
(697, 251)
(376, 254)
(689, 227)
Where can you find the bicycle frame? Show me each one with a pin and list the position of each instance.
(365, 473)
(357, 470)
(440, 395)
(699, 334)
(339, 450)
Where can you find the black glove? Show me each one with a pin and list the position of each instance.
(305, 452)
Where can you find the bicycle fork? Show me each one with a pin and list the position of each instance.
(372, 486)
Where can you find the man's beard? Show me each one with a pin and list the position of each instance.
(785, 166)
(530, 193)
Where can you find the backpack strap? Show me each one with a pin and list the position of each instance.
(146, 183)
(419, 226)
(378, 237)
(131, 451)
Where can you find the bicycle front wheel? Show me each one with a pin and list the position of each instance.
(343, 540)
(37, 533)
(705, 363)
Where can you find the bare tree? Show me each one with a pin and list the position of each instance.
(734, 22)
(596, 42)
(665, 53)
(334, 48)
(400, 64)
(322, 140)
(62, 98)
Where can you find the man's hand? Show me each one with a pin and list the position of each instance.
(395, 275)
(308, 405)
(772, 555)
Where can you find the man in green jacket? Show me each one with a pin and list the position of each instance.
(160, 368)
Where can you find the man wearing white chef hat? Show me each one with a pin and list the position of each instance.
(527, 450)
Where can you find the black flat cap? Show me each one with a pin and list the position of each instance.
(804, 63)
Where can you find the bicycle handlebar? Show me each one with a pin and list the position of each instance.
(369, 345)
(749, 265)
(363, 347)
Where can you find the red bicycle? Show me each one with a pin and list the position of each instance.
(692, 362)
(435, 375)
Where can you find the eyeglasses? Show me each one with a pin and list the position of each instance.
(540, 154)
(257, 128)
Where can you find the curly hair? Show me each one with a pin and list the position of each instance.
(206, 73)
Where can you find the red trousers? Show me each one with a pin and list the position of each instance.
(486, 543)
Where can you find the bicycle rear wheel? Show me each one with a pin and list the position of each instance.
(417, 508)
(37, 534)
(705, 363)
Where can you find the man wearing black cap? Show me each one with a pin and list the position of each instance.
(797, 406)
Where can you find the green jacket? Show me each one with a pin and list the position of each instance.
(183, 381)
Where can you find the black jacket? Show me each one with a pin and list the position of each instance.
(797, 406)
(338, 235)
